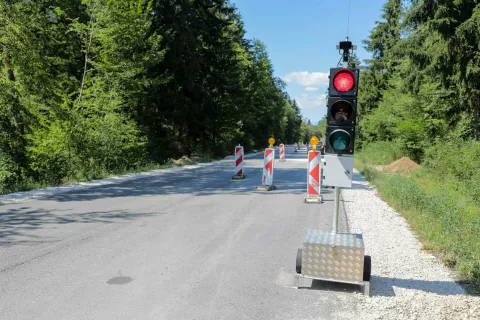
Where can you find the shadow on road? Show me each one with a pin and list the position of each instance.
(385, 287)
(17, 221)
(333, 286)
(16, 224)
(199, 182)
(202, 182)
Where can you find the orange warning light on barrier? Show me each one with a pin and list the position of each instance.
(314, 141)
(271, 142)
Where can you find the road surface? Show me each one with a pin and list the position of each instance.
(191, 244)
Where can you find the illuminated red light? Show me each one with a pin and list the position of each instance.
(344, 80)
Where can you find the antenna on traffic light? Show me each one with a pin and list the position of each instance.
(346, 46)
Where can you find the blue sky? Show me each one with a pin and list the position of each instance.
(301, 37)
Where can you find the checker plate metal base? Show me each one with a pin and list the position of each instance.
(333, 256)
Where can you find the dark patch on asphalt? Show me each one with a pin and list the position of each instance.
(120, 280)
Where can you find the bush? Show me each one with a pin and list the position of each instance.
(9, 174)
(108, 144)
(50, 154)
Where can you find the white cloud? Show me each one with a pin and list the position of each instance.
(311, 89)
(310, 101)
(307, 79)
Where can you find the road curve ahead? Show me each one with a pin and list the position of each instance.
(191, 244)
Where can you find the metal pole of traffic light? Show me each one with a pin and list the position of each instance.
(336, 206)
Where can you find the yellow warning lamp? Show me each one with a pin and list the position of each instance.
(271, 142)
(314, 142)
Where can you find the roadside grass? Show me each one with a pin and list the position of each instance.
(380, 153)
(440, 211)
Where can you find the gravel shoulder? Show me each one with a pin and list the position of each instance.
(407, 283)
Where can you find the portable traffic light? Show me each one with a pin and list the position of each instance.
(341, 110)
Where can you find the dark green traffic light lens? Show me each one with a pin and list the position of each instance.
(339, 140)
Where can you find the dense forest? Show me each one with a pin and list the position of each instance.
(102, 86)
(420, 91)
(421, 87)
(419, 97)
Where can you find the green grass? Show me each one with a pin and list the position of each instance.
(439, 209)
(380, 153)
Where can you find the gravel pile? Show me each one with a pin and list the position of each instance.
(407, 283)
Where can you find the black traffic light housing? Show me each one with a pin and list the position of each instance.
(342, 111)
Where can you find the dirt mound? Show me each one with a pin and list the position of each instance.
(404, 164)
(182, 161)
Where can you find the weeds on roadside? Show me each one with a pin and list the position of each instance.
(439, 206)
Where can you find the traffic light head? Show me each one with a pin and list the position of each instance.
(341, 111)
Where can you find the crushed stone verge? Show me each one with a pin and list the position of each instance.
(407, 283)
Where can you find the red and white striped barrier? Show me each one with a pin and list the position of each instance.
(267, 176)
(282, 152)
(239, 155)
(314, 181)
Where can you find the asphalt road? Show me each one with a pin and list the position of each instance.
(192, 244)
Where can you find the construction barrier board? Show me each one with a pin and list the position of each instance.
(314, 181)
(268, 167)
(239, 156)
